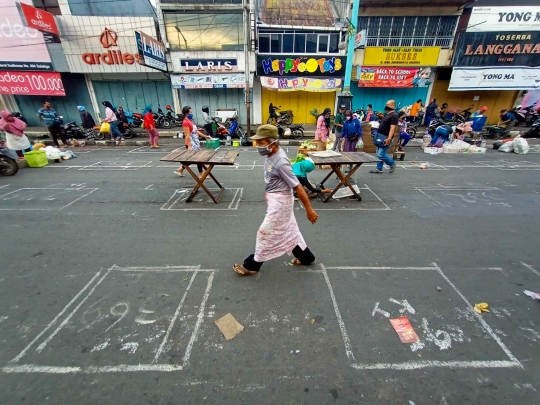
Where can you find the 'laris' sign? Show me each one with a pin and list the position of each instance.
(300, 66)
(498, 49)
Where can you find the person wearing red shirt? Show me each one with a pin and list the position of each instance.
(150, 126)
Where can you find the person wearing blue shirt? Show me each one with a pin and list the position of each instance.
(508, 120)
(52, 121)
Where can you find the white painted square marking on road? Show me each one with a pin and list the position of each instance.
(177, 201)
(117, 165)
(352, 205)
(418, 364)
(95, 317)
(43, 198)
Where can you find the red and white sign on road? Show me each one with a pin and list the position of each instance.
(38, 19)
(31, 83)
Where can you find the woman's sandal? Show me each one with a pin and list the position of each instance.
(238, 268)
(296, 262)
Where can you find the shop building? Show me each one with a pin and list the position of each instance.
(496, 58)
(301, 57)
(208, 60)
(401, 48)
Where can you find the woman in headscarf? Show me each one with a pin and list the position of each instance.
(121, 114)
(207, 120)
(147, 108)
(15, 137)
(323, 129)
(87, 121)
(110, 117)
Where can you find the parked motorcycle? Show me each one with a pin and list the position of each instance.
(73, 131)
(293, 131)
(134, 119)
(286, 116)
(533, 131)
(434, 124)
(162, 121)
(520, 114)
(175, 118)
(463, 116)
(8, 165)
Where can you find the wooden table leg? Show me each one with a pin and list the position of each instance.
(327, 177)
(344, 181)
(212, 177)
(200, 184)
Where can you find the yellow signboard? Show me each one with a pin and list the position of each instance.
(401, 56)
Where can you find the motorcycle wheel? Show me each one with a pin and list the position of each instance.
(8, 167)
(240, 133)
(411, 132)
(297, 134)
(128, 133)
(166, 124)
(270, 120)
(99, 136)
(287, 120)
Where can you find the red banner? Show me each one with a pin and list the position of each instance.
(38, 19)
(393, 77)
(31, 83)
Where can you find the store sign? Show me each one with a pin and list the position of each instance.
(21, 48)
(409, 56)
(301, 83)
(360, 39)
(151, 51)
(106, 44)
(211, 81)
(209, 65)
(498, 49)
(301, 65)
(510, 18)
(394, 77)
(38, 19)
(498, 78)
(31, 83)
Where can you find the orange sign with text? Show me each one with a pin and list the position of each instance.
(108, 39)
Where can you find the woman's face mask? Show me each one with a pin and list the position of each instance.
(348, 117)
(190, 116)
(263, 150)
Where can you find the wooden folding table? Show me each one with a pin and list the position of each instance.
(207, 159)
(356, 159)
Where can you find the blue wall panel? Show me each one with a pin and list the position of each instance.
(362, 96)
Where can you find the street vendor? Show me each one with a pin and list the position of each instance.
(508, 120)
(301, 170)
(279, 232)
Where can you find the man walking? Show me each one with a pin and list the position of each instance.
(387, 128)
(338, 123)
(279, 232)
(49, 117)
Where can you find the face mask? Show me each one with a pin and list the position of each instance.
(190, 116)
(348, 117)
(263, 150)
(387, 108)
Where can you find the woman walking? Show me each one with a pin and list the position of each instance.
(323, 129)
(110, 117)
(192, 134)
(150, 126)
(279, 233)
(15, 138)
(87, 121)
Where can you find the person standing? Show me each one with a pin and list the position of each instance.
(404, 137)
(338, 123)
(323, 128)
(207, 119)
(415, 109)
(150, 126)
(112, 119)
(87, 121)
(53, 122)
(369, 115)
(387, 127)
(191, 134)
(430, 111)
(15, 138)
(279, 232)
(352, 132)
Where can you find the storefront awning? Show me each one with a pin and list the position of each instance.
(317, 84)
(211, 81)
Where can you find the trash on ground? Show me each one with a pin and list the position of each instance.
(424, 165)
(482, 307)
(531, 294)
(295, 351)
(404, 329)
(229, 326)
(439, 288)
(345, 192)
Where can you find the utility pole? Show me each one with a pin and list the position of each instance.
(247, 43)
(350, 50)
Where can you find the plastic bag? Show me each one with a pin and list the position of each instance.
(521, 146)
(507, 147)
(360, 144)
(105, 127)
(330, 146)
(52, 153)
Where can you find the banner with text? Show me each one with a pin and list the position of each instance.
(211, 81)
(31, 83)
(504, 78)
(394, 77)
(407, 56)
(504, 18)
(301, 83)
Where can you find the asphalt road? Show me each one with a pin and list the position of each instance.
(110, 285)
